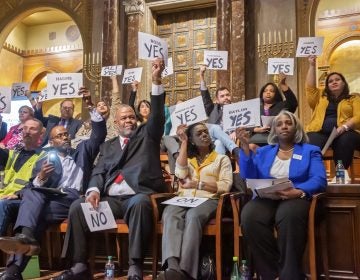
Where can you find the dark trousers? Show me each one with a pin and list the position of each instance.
(8, 213)
(37, 211)
(135, 210)
(281, 257)
(343, 145)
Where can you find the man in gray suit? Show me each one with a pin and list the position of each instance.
(128, 171)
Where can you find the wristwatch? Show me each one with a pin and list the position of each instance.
(200, 185)
(347, 128)
(303, 195)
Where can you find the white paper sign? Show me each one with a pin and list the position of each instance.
(64, 85)
(245, 114)
(42, 96)
(188, 112)
(281, 65)
(217, 60)
(5, 100)
(309, 46)
(151, 47)
(184, 201)
(108, 71)
(18, 91)
(169, 69)
(98, 219)
(132, 74)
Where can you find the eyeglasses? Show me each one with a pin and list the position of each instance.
(61, 135)
(67, 108)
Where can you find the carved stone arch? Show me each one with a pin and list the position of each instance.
(13, 11)
(348, 36)
(39, 74)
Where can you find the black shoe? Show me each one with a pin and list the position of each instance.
(19, 244)
(69, 275)
(10, 276)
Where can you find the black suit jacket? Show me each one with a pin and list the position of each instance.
(3, 130)
(139, 162)
(51, 121)
(213, 110)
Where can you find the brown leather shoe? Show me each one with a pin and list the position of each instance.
(19, 244)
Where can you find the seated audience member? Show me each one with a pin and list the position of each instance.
(287, 155)
(66, 171)
(271, 103)
(3, 128)
(214, 111)
(204, 173)
(13, 139)
(66, 118)
(128, 171)
(333, 107)
(18, 167)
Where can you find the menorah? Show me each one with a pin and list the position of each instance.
(92, 70)
(275, 46)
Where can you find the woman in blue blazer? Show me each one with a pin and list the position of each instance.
(287, 155)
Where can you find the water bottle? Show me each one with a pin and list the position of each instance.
(109, 269)
(244, 271)
(340, 172)
(235, 273)
(2, 177)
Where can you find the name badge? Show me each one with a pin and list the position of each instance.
(296, 156)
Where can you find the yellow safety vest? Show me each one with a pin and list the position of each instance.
(15, 181)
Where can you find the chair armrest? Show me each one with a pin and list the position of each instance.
(156, 200)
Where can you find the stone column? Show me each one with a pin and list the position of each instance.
(134, 9)
(110, 41)
(223, 15)
(237, 57)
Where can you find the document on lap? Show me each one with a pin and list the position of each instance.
(268, 188)
(98, 219)
(185, 201)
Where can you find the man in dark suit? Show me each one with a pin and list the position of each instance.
(128, 171)
(3, 128)
(66, 119)
(59, 178)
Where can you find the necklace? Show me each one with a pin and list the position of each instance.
(286, 151)
(201, 159)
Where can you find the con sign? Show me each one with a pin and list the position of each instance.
(151, 47)
(5, 100)
(309, 46)
(245, 113)
(98, 219)
(217, 60)
(281, 65)
(185, 201)
(64, 85)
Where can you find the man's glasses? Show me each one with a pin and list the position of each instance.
(61, 135)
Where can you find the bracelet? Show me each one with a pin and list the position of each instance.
(200, 185)
(347, 128)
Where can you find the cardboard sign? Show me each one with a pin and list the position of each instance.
(151, 47)
(5, 100)
(132, 74)
(109, 71)
(241, 114)
(281, 65)
(188, 112)
(98, 219)
(309, 46)
(217, 60)
(64, 85)
(184, 201)
(169, 69)
(18, 91)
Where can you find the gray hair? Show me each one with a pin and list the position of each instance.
(300, 135)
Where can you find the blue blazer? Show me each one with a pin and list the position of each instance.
(306, 171)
